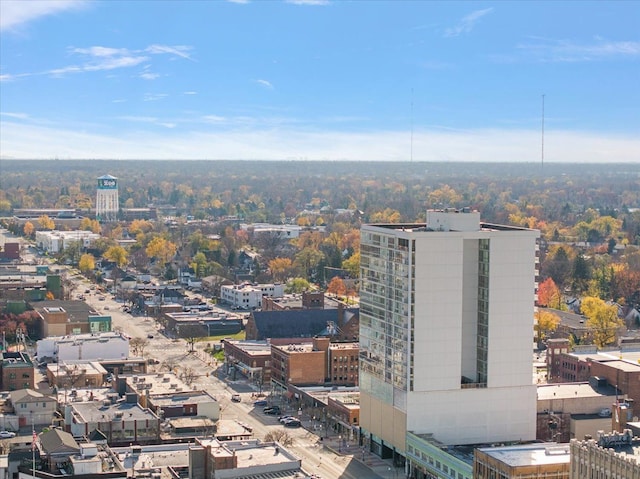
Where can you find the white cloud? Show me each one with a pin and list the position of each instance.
(98, 51)
(19, 116)
(21, 140)
(190, 93)
(265, 83)
(149, 75)
(109, 63)
(177, 50)
(14, 13)
(550, 50)
(466, 24)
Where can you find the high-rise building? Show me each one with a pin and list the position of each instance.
(446, 331)
(107, 205)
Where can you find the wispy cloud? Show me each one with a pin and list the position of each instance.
(99, 58)
(467, 23)
(265, 84)
(18, 116)
(14, 13)
(190, 93)
(154, 96)
(308, 2)
(177, 50)
(20, 140)
(549, 50)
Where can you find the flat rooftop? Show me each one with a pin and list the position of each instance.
(172, 399)
(530, 454)
(571, 391)
(97, 412)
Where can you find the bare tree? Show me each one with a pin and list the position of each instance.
(138, 345)
(188, 375)
(279, 436)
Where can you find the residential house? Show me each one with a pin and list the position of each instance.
(32, 407)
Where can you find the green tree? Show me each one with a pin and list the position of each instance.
(307, 261)
(603, 319)
(297, 285)
(580, 274)
(558, 266)
(352, 265)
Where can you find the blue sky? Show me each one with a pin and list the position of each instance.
(320, 80)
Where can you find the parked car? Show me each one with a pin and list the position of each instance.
(293, 423)
(260, 402)
(7, 434)
(272, 411)
(284, 419)
(236, 398)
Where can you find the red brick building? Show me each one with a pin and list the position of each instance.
(17, 371)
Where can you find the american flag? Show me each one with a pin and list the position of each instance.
(34, 440)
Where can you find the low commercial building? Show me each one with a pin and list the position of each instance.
(194, 323)
(17, 371)
(523, 461)
(252, 359)
(617, 367)
(122, 422)
(76, 374)
(94, 346)
(56, 241)
(317, 362)
(574, 410)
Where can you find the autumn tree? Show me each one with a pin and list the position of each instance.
(281, 268)
(46, 223)
(603, 319)
(336, 286)
(549, 294)
(87, 224)
(87, 263)
(387, 215)
(161, 249)
(118, 255)
(28, 228)
(546, 323)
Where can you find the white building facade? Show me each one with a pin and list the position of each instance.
(446, 318)
(57, 241)
(249, 296)
(108, 345)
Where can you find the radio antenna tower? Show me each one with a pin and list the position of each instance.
(542, 152)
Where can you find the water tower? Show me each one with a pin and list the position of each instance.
(107, 205)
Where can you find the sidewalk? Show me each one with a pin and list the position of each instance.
(382, 467)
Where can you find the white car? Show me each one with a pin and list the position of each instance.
(7, 434)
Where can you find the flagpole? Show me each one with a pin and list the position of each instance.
(34, 438)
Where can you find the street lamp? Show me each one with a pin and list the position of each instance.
(340, 443)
